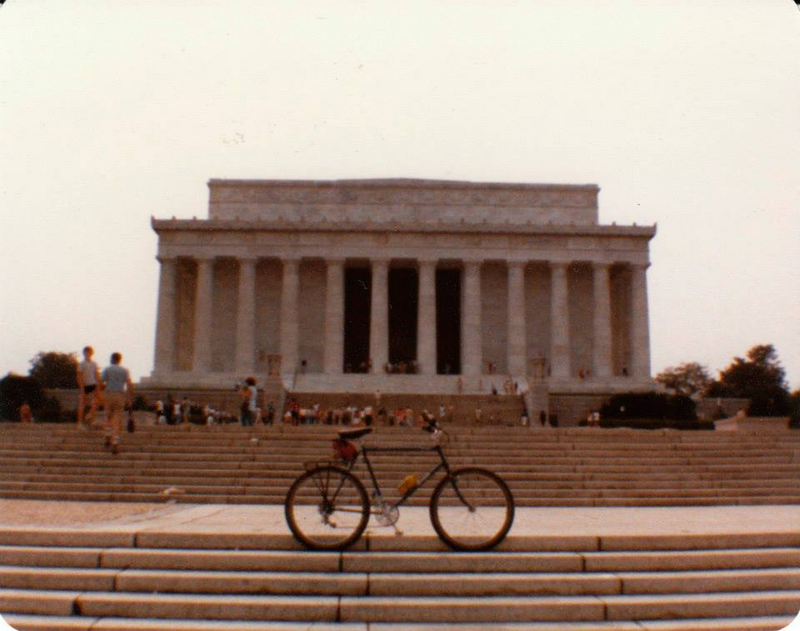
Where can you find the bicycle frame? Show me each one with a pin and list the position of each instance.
(443, 464)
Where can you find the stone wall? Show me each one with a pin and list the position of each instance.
(706, 408)
(572, 408)
(403, 201)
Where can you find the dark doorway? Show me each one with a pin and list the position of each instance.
(357, 292)
(403, 292)
(448, 321)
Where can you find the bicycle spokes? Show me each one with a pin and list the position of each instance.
(327, 507)
(472, 509)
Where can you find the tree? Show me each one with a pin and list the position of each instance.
(55, 370)
(760, 378)
(688, 379)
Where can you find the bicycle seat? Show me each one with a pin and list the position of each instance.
(352, 434)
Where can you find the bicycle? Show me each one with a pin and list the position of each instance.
(327, 507)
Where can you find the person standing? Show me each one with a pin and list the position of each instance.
(118, 389)
(88, 375)
(249, 395)
(25, 414)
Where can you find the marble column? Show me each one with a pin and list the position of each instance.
(426, 318)
(379, 316)
(559, 318)
(246, 317)
(290, 287)
(203, 315)
(517, 344)
(165, 320)
(472, 357)
(334, 317)
(640, 328)
(601, 357)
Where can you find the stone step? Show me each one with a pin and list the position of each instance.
(142, 463)
(213, 465)
(60, 623)
(579, 438)
(371, 562)
(619, 582)
(522, 496)
(578, 501)
(84, 623)
(609, 549)
(574, 608)
(209, 607)
(276, 494)
(93, 443)
(520, 483)
(397, 584)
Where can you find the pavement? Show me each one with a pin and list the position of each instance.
(414, 521)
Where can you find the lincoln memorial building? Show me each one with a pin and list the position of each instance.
(402, 285)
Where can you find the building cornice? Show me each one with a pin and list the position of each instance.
(410, 183)
(204, 225)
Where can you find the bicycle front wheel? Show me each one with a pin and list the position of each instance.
(472, 509)
(327, 508)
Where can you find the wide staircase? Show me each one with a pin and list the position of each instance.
(131, 577)
(544, 467)
(158, 580)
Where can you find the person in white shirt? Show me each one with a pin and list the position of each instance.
(249, 395)
(88, 375)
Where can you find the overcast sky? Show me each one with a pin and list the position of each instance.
(685, 113)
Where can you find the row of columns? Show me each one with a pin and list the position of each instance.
(426, 335)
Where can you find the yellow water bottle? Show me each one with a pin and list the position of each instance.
(408, 483)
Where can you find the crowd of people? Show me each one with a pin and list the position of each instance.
(356, 415)
(112, 390)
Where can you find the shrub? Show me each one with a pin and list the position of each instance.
(14, 391)
(650, 410)
(50, 412)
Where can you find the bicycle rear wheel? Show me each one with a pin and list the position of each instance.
(472, 509)
(327, 508)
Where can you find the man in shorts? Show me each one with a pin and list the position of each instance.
(118, 393)
(88, 386)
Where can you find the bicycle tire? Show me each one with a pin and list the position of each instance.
(472, 509)
(327, 508)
